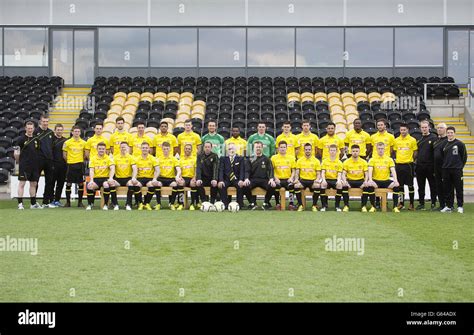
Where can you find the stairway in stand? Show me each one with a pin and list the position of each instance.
(67, 107)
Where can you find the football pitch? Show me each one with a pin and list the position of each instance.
(245, 256)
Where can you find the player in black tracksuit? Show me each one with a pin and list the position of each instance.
(438, 147)
(59, 164)
(425, 165)
(207, 172)
(45, 162)
(454, 160)
(259, 173)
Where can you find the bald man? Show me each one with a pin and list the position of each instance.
(438, 147)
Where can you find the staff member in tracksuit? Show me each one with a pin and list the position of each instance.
(59, 164)
(207, 172)
(45, 162)
(438, 147)
(454, 159)
(425, 165)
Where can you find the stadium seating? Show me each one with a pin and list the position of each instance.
(22, 99)
(244, 102)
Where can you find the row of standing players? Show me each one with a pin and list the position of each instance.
(302, 161)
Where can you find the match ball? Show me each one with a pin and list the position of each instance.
(205, 206)
(212, 208)
(220, 207)
(234, 207)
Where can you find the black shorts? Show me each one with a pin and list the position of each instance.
(331, 183)
(284, 183)
(28, 173)
(75, 173)
(263, 183)
(405, 173)
(144, 181)
(166, 181)
(100, 181)
(187, 181)
(307, 183)
(123, 181)
(383, 183)
(355, 183)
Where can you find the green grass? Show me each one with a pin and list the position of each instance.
(279, 253)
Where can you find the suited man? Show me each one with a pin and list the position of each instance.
(231, 173)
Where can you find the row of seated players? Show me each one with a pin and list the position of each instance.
(208, 169)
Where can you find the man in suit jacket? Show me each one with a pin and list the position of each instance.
(231, 173)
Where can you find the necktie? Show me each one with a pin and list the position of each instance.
(232, 175)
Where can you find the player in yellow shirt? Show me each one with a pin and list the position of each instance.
(164, 136)
(380, 168)
(308, 175)
(406, 150)
(360, 137)
(354, 175)
(124, 168)
(331, 177)
(382, 135)
(138, 139)
(119, 136)
(284, 170)
(101, 174)
(329, 139)
(188, 136)
(146, 174)
(91, 143)
(170, 174)
(239, 142)
(187, 163)
(74, 155)
(306, 136)
(292, 147)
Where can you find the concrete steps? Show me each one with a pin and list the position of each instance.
(67, 107)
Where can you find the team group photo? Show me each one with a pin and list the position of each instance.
(238, 151)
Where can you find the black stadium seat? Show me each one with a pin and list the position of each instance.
(7, 163)
(3, 176)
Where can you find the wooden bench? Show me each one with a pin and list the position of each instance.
(354, 192)
(122, 190)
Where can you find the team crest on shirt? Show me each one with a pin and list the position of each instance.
(263, 165)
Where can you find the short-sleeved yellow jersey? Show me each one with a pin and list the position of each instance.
(118, 137)
(355, 168)
(123, 165)
(101, 165)
(381, 167)
(308, 168)
(92, 142)
(188, 166)
(282, 165)
(291, 143)
(331, 168)
(137, 142)
(189, 138)
(386, 138)
(240, 144)
(404, 148)
(146, 166)
(159, 139)
(74, 150)
(326, 141)
(361, 139)
(168, 166)
(303, 138)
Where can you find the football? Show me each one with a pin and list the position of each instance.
(233, 207)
